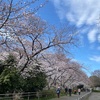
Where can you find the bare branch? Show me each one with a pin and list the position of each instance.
(10, 8)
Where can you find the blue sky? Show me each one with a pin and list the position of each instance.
(84, 14)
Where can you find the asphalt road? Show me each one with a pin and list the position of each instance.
(94, 96)
(73, 97)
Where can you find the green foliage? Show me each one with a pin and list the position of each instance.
(1, 66)
(36, 81)
(9, 76)
(48, 94)
(11, 80)
(96, 90)
(11, 60)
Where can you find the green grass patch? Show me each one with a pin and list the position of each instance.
(96, 90)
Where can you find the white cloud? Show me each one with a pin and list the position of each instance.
(98, 37)
(70, 17)
(95, 58)
(74, 60)
(92, 35)
(81, 11)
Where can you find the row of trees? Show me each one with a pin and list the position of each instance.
(49, 73)
(95, 78)
(63, 71)
(39, 49)
(27, 35)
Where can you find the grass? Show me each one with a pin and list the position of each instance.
(96, 90)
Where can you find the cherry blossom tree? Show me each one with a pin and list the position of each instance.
(62, 71)
(11, 11)
(34, 36)
(28, 36)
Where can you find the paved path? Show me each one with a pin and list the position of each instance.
(94, 96)
(73, 97)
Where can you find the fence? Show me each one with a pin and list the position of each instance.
(24, 96)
